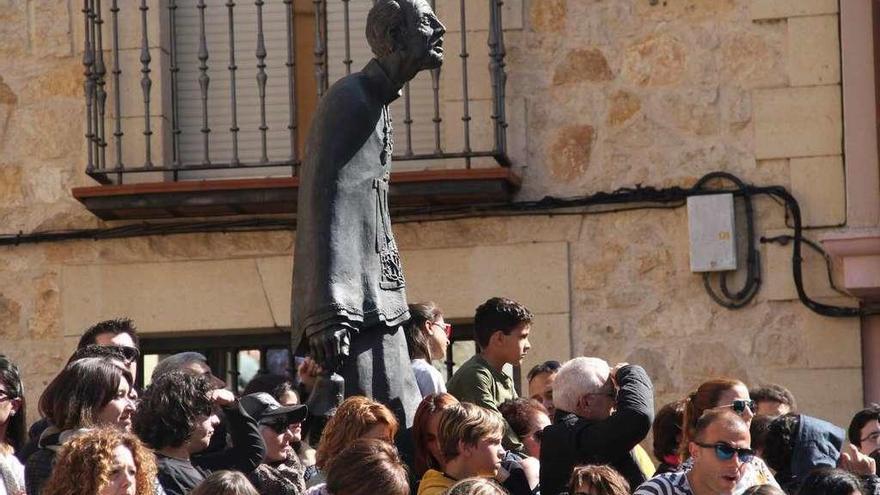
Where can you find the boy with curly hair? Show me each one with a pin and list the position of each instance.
(176, 418)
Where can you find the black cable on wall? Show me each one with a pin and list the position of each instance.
(623, 199)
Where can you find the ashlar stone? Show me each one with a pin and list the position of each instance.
(736, 108)
(46, 130)
(64, 79)
(658, 60)
(778, 280)
(706, 360)
(797, 122)
(10, 186)
(753, 59)
(780, 343)
(818, 183)
(583, 65)
(548, 16)
(7, 96)
(830, 393)
(686, 9)
(695, 112)
(45, 318)
(658, 366)
(10, 316)
(51, 29)
(623, 105)
(570, 152)
(549, 338)
(778, 9)
(13, 28)
(814, 50)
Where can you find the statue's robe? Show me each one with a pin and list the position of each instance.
(347, 269)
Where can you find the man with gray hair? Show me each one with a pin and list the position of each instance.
(586, 430)
(348, 286)
(194, 363)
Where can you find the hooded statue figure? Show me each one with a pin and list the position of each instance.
(349, 295)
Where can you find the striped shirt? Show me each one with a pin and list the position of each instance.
(666, 484)
(755, 473)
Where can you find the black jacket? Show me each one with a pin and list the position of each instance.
(572, 440)
(248, 449)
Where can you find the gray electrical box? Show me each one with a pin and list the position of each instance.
(712, 228)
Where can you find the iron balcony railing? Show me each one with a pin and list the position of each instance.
(108, 160)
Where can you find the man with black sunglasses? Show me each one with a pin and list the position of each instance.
(720, 451)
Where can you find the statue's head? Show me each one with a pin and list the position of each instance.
(409, 29)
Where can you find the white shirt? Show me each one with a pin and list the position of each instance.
(10, 464)
(428, 377)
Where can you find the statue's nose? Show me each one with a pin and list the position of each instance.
(439, 28)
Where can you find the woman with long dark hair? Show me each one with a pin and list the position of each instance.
(425, 427)
(12, 428)
(427, 337)
(88, 393)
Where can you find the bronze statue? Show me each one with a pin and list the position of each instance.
(348, 285)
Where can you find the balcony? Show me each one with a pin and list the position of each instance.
(200, 108)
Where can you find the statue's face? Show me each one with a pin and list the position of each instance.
(424, 37)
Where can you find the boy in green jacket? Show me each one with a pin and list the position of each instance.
(501, 328)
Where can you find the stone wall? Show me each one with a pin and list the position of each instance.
(660, 92)
(605, 93)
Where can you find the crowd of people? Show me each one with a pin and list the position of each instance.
(579, 431)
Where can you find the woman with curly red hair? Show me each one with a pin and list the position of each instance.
(103, 461)
(357, 417)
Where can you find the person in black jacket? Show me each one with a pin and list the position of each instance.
(176, 418)
(585, 431)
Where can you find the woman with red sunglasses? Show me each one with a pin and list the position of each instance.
(427, 337)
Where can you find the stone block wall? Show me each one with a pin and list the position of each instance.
(660, 93)
(602, 94)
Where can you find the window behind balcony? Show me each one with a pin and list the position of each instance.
(247, 99)
(414, 129)
(417, 137)
(164, 101)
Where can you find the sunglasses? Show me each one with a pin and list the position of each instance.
(278, 426)
(739, 406)
(446, 328)
(129, 354)
(725, 452)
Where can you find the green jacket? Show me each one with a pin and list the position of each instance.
(479, 383)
